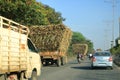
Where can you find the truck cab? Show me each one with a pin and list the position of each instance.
(34, 59)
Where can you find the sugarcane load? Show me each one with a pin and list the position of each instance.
(80, 48)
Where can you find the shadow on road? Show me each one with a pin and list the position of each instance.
(89, 68)
(75, 62)
(82, 67)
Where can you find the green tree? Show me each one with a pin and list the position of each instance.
(29, 12)
(53, 16)
(79, 38)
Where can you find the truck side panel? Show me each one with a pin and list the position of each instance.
(12, 51)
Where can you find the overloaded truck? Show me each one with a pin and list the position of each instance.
(19, 58)
(53, 42)
(80, 48)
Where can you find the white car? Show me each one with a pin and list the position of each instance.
(102, 59)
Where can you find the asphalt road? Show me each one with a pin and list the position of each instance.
(75, 71)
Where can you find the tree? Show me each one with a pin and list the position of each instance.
(29, 12)
(53, 16)
(77, 38)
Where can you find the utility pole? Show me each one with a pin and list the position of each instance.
(119, 27)
(113, 6)
(113, 22)
(119, 33)
(107, 41)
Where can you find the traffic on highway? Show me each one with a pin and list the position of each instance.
(59, 40)
(82, 71)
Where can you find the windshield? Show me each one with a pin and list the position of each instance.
(31, 46)
(102, 54)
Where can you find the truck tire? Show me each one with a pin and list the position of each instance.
(3, 77)
(22, 76)
(34, 76)
(58, 62)
(62, 61)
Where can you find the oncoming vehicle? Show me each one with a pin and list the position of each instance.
(102, 59)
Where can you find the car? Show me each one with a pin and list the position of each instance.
(102, 59)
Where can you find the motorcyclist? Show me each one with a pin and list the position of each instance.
(79, 55)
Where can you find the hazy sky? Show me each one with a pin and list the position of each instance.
(92, 18)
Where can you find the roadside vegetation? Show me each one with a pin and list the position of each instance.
(29, 12)
(116, 49)
(116, 52)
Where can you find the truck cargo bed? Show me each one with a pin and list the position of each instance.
(13, 56)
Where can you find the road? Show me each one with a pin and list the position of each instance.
(74, 71)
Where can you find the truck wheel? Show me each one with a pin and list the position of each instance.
(34, 76)
(22, 77)
(46, 63)
(3, 77)
(62, 61)
(52, 62)
(6, 77)
(58, 62)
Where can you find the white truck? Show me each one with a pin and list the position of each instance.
(19, 58)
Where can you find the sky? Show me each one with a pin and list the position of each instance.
(93, 18)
